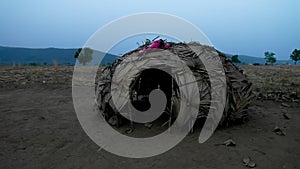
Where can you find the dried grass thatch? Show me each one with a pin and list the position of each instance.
(239, 94)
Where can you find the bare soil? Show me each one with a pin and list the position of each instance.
(39, 127)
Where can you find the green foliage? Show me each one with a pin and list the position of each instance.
(84, 55)
(270, 57)
(295, 56)
(235, 59)
(32, 64)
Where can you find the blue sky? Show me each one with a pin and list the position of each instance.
(248, 27)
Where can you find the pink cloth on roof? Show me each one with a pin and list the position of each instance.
(158, 44)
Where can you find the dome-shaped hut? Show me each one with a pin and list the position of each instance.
(141, 83)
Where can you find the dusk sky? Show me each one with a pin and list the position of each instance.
(248, 27)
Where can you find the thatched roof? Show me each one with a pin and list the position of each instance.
(238, 89)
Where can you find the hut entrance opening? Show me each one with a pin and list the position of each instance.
(151, 79)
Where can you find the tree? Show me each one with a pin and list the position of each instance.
(270, 57)
(84, 55)
(295, 56)
(32, 64)
(235, 59)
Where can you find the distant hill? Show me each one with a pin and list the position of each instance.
(46, 56)
(245, 59)
(25, 56)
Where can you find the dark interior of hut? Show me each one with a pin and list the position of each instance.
(151, 79)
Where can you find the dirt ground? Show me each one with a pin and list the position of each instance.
(39, 129)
